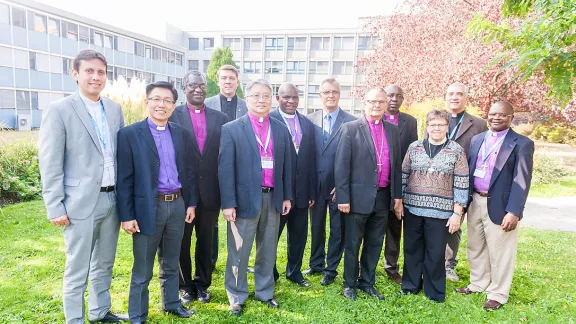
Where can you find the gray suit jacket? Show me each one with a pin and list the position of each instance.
(70, 156)
(214, 103)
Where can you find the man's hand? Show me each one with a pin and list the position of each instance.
(60, 221)
(130, 227)
(311, 203)
(398, 208)
(453, 223)
(190, 214)
(286, 205)
(333, 192)
(510, 222)
(229, 214)
(345, 208)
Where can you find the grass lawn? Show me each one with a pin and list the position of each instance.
(565, 187)
(32, 261)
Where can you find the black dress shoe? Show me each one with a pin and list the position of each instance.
(271, 303)
(236, 309)
(327, 280)
(408, 292)
(112, 318)
(372, 292)
(350, 293)
(187, 297)
(181, 312)
(311, 272)
(302, 283)
(203, 296)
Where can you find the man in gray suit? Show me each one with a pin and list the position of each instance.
(234, 107)
(77, 153)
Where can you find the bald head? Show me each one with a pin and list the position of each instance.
(505, 105)
(500, 116)
(288, 98)
(395, 98)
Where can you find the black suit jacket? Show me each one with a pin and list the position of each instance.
(355, 168)
(303, 163)
(511, 177)
(240, 167)
(408, 127)
(138, 169)
(325, 155)
(206, 163)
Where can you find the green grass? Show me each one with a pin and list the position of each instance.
(565, 187)
(32, 261)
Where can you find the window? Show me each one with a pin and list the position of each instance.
(365, 42)
(233, 43)
(4, 14)
(56, 64)
(122, 44)
(21, 59)
(193, 65)
(23, 99)
(69, 30)
(6, 56)
(205, 66)
(32, 61)
(178, 59)
(108, 41)
(275, 44)
(345, 91)
(171, 58)
(208, 43)
(120, 72)
(252, 44)
(320, 43)
(138, 48)
(97, 38)
(18, 18)
(344, 67)
(253, 67)
(53, 27)
(165, 56)
(295, 67)
(193, 44)
(129, 74)
(155, 53)
(273, 67)
(42, 62)
(148, 51)
(36, 22)
(84, 34)
(301, 89)
(313, 91)
(110, 73)
(34, 99)
(297, 43)
(7, 99)
(178, 84)
(275, 88)
(130, 46)
(66, 65)
(343, 43)
(319, 67)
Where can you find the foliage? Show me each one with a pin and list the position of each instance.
(130, 96)
(219, 58)
(565, 187)
(19, 171)
(556, 133)
(524, 129)
(547, 170)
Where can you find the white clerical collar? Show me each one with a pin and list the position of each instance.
(88, 101)
(285, 115)
(433, 142)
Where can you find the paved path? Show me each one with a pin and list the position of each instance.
(551, 213)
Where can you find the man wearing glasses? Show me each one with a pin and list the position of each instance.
(157, 195)
(255, 175)
(328, 122)
(204, 125)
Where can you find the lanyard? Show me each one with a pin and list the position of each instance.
(456, 128)
(100, 132)
(485, 155)
(265, 147)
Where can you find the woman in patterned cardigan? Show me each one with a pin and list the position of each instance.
(435, 187)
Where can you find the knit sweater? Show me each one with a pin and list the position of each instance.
(431, 187)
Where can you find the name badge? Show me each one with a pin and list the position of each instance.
(480, 173)
(267, 163)
(108, 162)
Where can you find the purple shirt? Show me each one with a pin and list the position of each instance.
(382, 151)
(392, 118)
(261, 131)
(294, 128)
(168, 175)
(482, 184)
(199, 125)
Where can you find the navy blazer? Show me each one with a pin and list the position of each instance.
(511, 177)
(355, 167)
(240, 167)
(304, 163)
(205, 164)
(138, 169)
(325, 155)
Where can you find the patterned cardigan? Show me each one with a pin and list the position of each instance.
(432, 187)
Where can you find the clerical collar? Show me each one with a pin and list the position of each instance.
(88, 100)
(371, 120)
(285, 115)
(257, 118)
(500, 133)
(227, 99)
(433, 142)
(458, 115)
(152, 125)
(196, 110)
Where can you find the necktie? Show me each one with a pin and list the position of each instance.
(327, 128)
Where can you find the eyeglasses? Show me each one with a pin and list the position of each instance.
(495, 115)
(157, 101)
(437, 125)
(260, 96)
(376, 102)
(193, 86)
(333, 92)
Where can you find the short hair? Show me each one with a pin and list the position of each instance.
(162, 84)
(332, 81)
(376, 89)
(437, 114)
(256, 82)
(504, 103)
(460, 84)
(188, 74)
(88, 54)
(227, 67)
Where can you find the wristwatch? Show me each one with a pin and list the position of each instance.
(458, 213)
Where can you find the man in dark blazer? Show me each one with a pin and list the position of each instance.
(408, 128)
(255, 175)
(304, 177)
(157, 194)
(368, 172)
(328, 124)
(500, 163)
(204, 125)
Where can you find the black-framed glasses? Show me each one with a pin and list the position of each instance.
(494, 115)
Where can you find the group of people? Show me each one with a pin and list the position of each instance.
(171, 173)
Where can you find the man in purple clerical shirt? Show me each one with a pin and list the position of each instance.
(157, 195)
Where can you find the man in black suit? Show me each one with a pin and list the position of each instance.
(368, 173)
(408, 127)
(154, 175)
(304, 177)
(328, 124)
(500, 163)
(204, 125)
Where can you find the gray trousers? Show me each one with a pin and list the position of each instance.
(90, 252)
(452, 247)
(239, 242)
(170, 216)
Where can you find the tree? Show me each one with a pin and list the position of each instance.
(219, 58)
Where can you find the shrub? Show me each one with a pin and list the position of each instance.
(19, 171)
(558, 133)
(524, 129)
(547, 170)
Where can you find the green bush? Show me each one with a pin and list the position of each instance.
(19, 171)
(524, 129)
(547, 170)
(561, 134)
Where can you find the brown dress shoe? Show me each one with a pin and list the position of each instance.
(465, 291)
(491, 305)
(396, 277)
